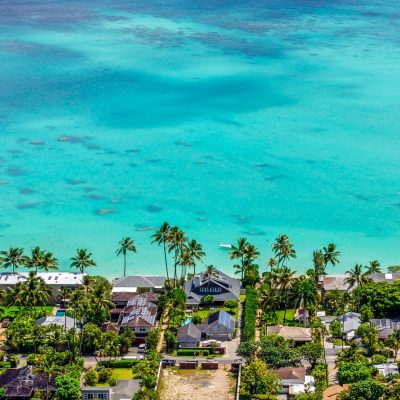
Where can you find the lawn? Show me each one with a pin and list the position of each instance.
(203, 314)
(289, 316)
(13, 311)
(119, 373)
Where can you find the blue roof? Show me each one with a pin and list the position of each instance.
(223, 318)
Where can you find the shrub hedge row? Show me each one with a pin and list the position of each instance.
(119, 363)
(192, 352)
(250, 313)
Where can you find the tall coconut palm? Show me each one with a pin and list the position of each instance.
(185, 260)
(331, 255)
(125, 245)
(238, 253)
(356, 277)
(35, 260)
(82, 260)
(286, 279)
(353, 353)
(13, 257)
(283, 250)
(305, 294)
(195, 250)
(33, 291)
(65, 294)
(374, 268)
(272, 263)
(210, 272)
(161, 237)
(319, 266)
(176, 240)
(393, 342)
(49, 262)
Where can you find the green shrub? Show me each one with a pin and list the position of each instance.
(13, 360)
(112, 380)
(350, 372)
(91, 377)
(250, 314)
(118, 363)
(104, 375)
(192, 352)
(379, 359)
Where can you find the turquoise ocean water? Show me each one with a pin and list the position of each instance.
(228, 118)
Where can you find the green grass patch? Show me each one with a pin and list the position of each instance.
(205, 313)
(289, 316)
(13, 311)
(119, 373)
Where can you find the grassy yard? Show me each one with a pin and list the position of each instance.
(289, 316)
(13, 311)
(204, 313)
(119, 373)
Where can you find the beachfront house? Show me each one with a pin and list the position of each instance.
(297, 334)
(219, 326)
(55, 280)
(139, 315)
(294, 381)
(188, 335)
(21, 383)
(139, 284)
(221, 286)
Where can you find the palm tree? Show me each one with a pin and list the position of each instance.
(374, 268)
(285, 282)
(161, 236)
(356, 277)
(393, 341)
(36, 258)
(238, 252)
(13, 257)
(49, 262)
(210, 272)
(319, 266)
(305, 294)
(82, 260)
(65, 294)
(125, 245)
(196, 252)
(272, 263)
(331, 255)
(353, 353)
(48, 365)
(283, 250)
(185, 260)
(33, 292)
(176, 240)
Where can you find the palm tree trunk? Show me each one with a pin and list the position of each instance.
(124, 264)
(166, 262)
(286, 302)
(304, 316)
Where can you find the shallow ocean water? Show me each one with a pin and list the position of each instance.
(228, 119)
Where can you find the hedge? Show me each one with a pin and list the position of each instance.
(191, 352)
(250, 313)
(119, 363)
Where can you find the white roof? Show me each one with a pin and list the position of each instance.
(51, 278)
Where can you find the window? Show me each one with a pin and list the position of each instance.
(142, 329)
(90, 396)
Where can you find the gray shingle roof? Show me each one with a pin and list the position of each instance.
(139, 281)
(188, 330)
(68, 322)
(221, 317)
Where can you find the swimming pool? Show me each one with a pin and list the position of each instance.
(188, 320)
(60, 313)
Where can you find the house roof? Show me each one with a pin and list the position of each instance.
(124, 389)
(109, 326)
(51, 278)
(125, 296)
(331, 282)
(384, 277)
(296, 333)
(66, 322)
(332, 392)
(139, 313)
(230, 287)
(297, 375)
(221, 317)
(387, 368)
(190, 330)
(138, 281)
(350, 321)
(21, 382)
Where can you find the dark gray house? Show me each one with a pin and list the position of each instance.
(221, 286)
(219, 326)
(188, 335)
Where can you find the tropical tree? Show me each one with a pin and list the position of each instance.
(125, 244)
(305, 294)
(393, 342)
(285, 281)
(246, 253)
(185, 260)
(49, 262)
(35, 260)
(331, 255)
(210, 272)
(319, 266)
(283, 250)
(32, 292)
(195, 250)
(13, 257)
(352, 354)
(161, 236)
(272, 263)
(374, 268)
(82, 260)
(356, 277)
(176, 243)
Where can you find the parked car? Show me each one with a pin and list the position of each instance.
(142, 348)
(211, 343)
